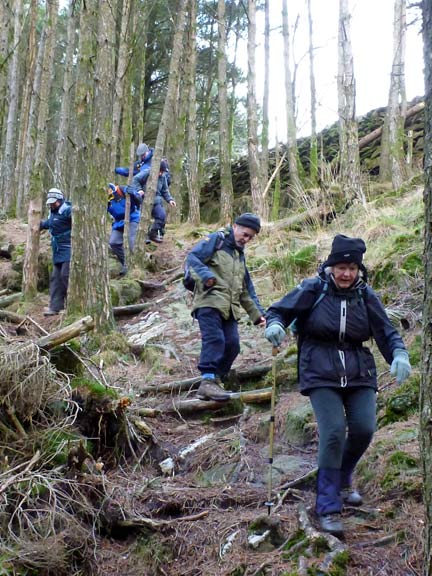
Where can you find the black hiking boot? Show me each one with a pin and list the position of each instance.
(210, 389)
(332, 524)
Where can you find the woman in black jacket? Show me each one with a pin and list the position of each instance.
(335, 314)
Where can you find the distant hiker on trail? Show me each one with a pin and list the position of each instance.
(117, 209)
(157, 228)
(59, 225)
(222, 286)
(336, 313)
(139, 183)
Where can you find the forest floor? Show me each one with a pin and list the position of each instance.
(205, 509)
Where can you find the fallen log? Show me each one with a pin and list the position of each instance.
(378, 131)
(312, 214)
(12, 317)
(254, 373)
(196, 405)
(67, 333)
(10, 299)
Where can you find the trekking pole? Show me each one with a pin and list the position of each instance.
(269, 503)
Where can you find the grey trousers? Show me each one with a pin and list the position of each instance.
(116, 241)
(346, 420)
(58, 285)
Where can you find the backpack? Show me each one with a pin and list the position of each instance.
(188, 280)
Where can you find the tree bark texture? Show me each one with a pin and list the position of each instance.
(348, 130)
(5, 19)
(227, 195)
(37, 176)
(252, 119)
(313, 158)
(265, 112)
(426, 378)
(392, 142)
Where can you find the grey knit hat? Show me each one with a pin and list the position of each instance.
(142, 149)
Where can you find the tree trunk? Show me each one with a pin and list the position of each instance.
(392, 140)
(265, 112)
(313, 155)
(21, 197)
(62, 176)
(348, 130)
(5, 19)
(30, 268)
(227, 194)
(290, 104)
(426, 372)
(120, 82)
(192, 144)
(252, 119)
(89, 281)
(9, 155)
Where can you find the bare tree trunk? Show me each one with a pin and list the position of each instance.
(392, 140)
(29, 136)
(252, 119)
(313, 156)
(192, 167)
(5, 19)
(277, 186)
(227, 195)
(426, 372)
(21, 198)
(38, 170)
(348, 130)
(120, 81)
(289, 104)
(89, 282)
(265, 112)
(9, 156)
(168, 109)
(62, 175)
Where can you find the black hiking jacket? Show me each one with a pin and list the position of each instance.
(332, 333)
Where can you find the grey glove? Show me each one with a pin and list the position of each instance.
(400, 367)
(275, 334)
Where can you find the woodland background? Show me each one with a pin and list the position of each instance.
(83, 83)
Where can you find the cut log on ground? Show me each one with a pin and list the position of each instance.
(10, 299)
(11, 317)
(67, 333)
(196, 405)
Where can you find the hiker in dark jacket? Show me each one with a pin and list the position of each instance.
(157, 228)
(144, 154)
(222, 287)
(336, 370)
(117, 209)
(59, 225)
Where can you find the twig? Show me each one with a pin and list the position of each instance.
(150, 523)
(13, 479)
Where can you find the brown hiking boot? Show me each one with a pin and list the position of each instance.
(210, 389)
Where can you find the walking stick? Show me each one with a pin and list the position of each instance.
(269, 503)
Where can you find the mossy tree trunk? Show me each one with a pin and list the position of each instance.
(313, 155)
(392, 140)
(227, 195)
(37, 180)
(265, 111)
(348, 130)
(89, 281)
(6, 20)
(426, 373)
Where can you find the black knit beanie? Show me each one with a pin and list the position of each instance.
(249, 220)
(345, 249)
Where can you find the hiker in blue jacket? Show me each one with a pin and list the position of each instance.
(222, 287)
(59, 224)
(158, 213)
(144, 154)
(117, 209)
(336, 370)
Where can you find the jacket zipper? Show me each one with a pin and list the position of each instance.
(342, 331)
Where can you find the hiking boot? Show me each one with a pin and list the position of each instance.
(351, 496)
(123, 270)
(49, 312)
(158, 237)
(332, 524)
(209, 389)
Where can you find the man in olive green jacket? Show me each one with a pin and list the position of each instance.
(222, 287)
